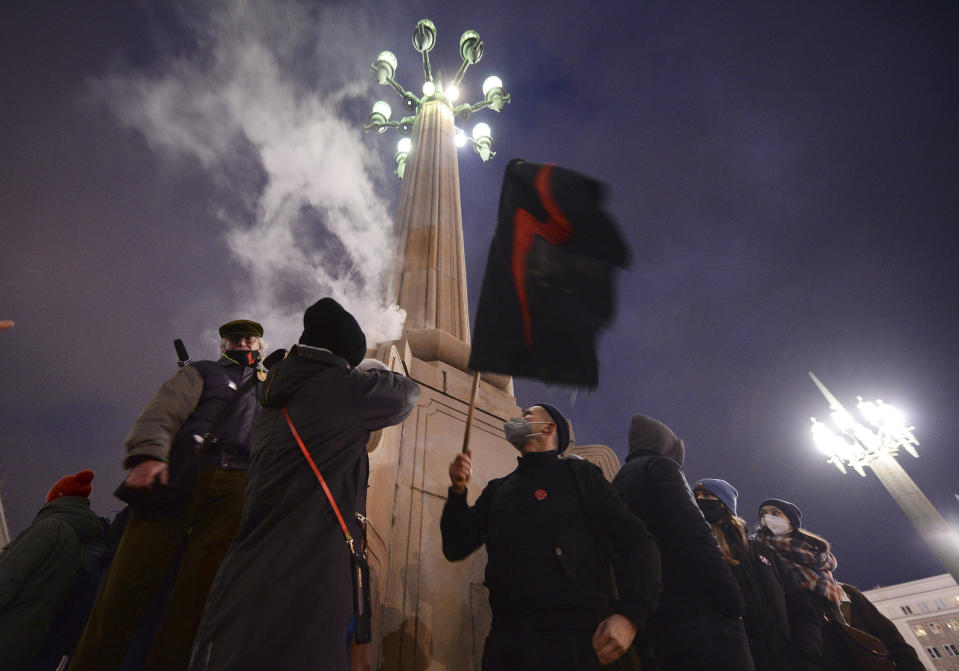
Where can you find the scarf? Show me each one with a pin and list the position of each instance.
(810, 568)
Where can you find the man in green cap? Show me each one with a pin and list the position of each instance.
(203, 399)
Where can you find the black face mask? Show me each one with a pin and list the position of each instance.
(713, 511)
(243, 357)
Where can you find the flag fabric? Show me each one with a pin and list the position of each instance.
(549, 283)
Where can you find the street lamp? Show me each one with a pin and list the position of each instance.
(471, 52)
(855, 444)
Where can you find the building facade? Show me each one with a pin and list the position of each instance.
(926, 612)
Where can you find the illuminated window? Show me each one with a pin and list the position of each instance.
(953, 624)
(935, 628)
(906, 610)
(956, 599)
(920, 630)
(951, 650)
(934, 653)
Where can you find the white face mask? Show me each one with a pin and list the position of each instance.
(777, 525)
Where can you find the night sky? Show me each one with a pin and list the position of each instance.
(787, 175)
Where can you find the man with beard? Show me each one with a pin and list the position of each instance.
(186, 405)
(548, 527)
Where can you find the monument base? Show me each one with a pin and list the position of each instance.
(429, 612)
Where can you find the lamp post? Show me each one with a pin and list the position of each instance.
(471, 51)
(855, 445)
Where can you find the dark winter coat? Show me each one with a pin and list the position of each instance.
(696, 579)
(866, 617)
(546, 568)
(36, 572)
(188, 404)
(783, 629)
(283, 596)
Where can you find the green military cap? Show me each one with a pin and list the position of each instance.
(239, 327)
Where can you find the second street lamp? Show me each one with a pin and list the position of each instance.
(858, 446)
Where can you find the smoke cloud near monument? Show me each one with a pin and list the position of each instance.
(260, 108)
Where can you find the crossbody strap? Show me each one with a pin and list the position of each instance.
(316, 472)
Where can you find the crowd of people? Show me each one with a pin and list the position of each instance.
(244, 470)
(649, 573)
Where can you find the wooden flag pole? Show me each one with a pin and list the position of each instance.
(469, 414)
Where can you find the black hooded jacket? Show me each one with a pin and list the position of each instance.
(696, 579)
(546, 568)
(283, 597)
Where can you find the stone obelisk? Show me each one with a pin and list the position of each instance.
(428, 612)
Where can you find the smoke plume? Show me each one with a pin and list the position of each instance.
(258, 101)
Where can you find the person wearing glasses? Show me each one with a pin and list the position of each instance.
(186, 405)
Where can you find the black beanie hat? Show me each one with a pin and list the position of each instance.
(326, 324)
(790, 510)
(562, 426)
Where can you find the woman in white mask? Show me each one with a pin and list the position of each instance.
(809, 561)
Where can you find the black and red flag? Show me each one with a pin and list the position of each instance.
(548, 288)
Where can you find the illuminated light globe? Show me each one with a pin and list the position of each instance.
(384, 67)
(483, 141)
(492, 82)
(452, 93)
(481, 130)
(380, 115)
(403, 148)
(429, 88)
(459, 137)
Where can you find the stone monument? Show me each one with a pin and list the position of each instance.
(429, 613)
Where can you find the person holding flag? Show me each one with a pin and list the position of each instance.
(551, 529)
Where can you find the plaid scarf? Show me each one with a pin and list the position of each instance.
(811, 569)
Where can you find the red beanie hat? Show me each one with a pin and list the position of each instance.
(72, 485)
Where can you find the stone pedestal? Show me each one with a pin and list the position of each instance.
(428, 612)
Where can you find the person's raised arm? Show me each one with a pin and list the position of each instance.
(383, 398)
(463, 528)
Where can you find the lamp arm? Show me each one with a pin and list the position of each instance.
(390, 124)
(460, 72)
(427, 70)
(403, 92)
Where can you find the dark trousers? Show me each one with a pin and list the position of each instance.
(207, 525)
(539, 651)
(704, 643)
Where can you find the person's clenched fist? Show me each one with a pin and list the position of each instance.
(460, 471)
(613, 637)
(143, 475)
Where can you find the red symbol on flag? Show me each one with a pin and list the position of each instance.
(556, 230)
(539, 494)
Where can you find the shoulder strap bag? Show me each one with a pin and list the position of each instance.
(359, 565)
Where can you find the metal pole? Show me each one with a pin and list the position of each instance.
(935, 531)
